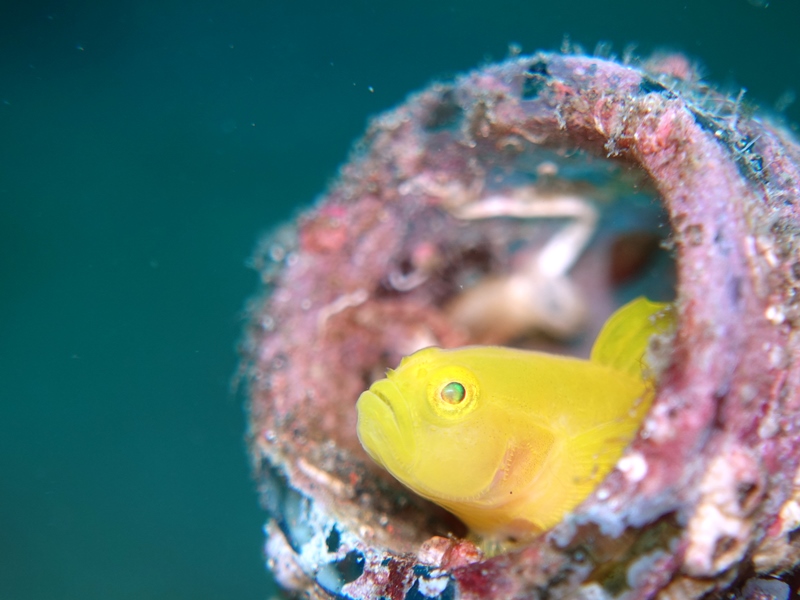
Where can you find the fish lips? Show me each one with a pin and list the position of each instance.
(381, 411)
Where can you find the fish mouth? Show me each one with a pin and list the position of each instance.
(379, 429)
(381, 395)
(376, 401)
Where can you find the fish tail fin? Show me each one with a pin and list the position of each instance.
(622, 343)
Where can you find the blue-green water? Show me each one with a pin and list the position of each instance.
(144, 145)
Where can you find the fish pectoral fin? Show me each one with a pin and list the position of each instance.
(622, 342)
(594, 453)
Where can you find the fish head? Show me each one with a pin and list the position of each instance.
(432, 425)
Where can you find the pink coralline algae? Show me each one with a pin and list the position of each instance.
(521, 204)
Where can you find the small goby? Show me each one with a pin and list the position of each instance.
(511, 440)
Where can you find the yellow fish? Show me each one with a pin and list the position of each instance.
(511, 440)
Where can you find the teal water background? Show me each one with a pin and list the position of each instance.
(144, 146)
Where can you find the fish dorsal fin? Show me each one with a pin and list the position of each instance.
(622, 342)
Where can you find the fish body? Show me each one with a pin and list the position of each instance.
(510, 440)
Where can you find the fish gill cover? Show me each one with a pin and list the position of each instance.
(519, 205)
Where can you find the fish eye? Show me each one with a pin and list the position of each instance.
(453, 393)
